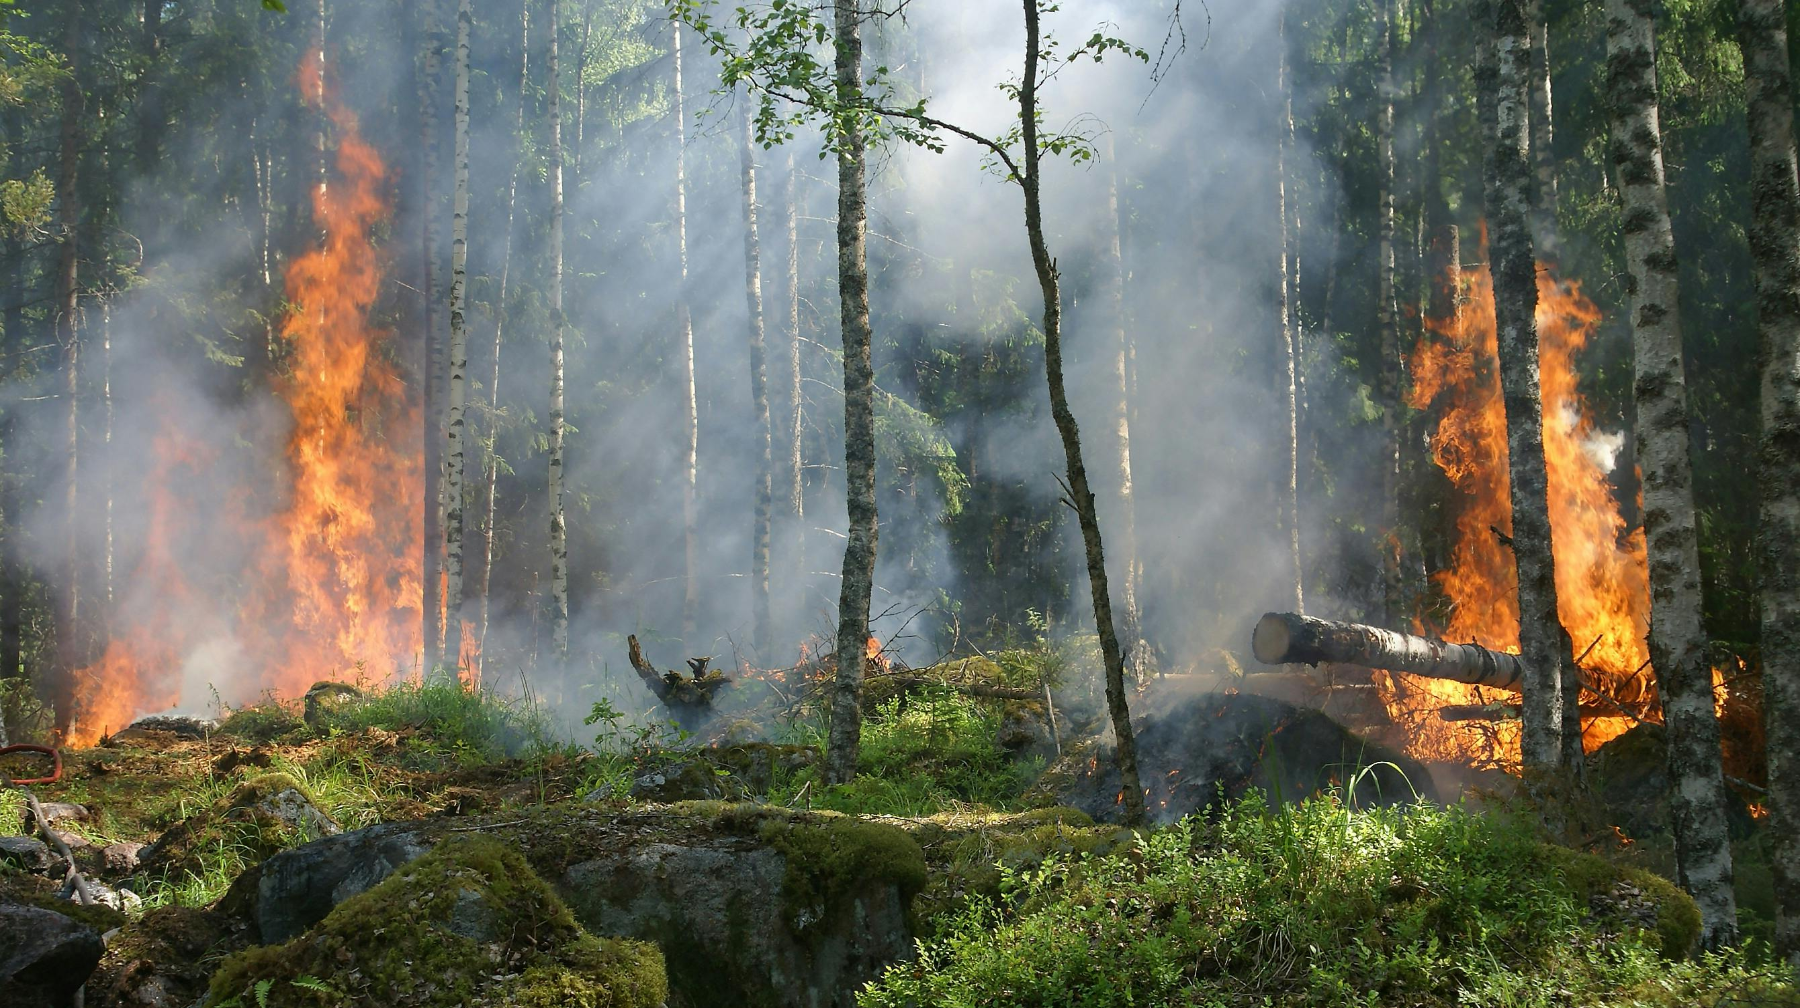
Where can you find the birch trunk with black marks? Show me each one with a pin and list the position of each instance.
(490, 455)
(684, 324)
(1543, 157)
(1137, 650)
(1387, 323)
(793, 474)
(65, 308)
(559, 530)
(1501, 81)
(1081, 494)
(1775, 246)
(1288, 368)
(1678, 640)
(456, 436)
(763, 485)
(433, 361)
(858, 582)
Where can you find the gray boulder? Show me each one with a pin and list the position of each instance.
(296, 888)
(121, 858)
(45, 957)
(27, 854)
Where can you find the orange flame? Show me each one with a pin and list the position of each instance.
(334, 589)
(1602, 578)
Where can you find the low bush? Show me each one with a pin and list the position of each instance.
(1315, 905)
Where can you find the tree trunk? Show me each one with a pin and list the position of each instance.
(684, 322)
(1775, 245)
(65, 308)
(491, 457)
(12, 610)
(1387, 323)
(432, 358)
(1543, 157)
(1137, 650)
(763, 489)
(456, 430)
(150, 104)
(1678, 640)
(559, 532)
(106, 437)
(1083, 496)
(1288, 371)
(858, 582)
(1501, 81)
(793, 487)
(1290, 638)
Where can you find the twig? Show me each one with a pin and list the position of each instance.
(485, 826)
(62, 847)
(1590, 650)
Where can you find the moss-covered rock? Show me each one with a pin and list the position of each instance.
(1622, 897)
(467, 924)
(965, 853)
(164, 957)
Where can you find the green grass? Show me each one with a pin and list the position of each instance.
(927, 752)
(1316, 905)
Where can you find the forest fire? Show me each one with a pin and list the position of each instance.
(332, 584)
(1602, 579)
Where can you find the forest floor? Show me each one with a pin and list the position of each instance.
(1020, 903)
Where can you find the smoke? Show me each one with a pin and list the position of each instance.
(1196, 154)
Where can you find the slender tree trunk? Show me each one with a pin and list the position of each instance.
(793, 475)
(581, 66)
(11, 607)
(1543, 156)
(858, 582)
(559, 534)
(1288, 370)
(763, 488)
(1501, 81)
(106, 437)
(68, 335)
(1137, 650)
(684, 323)
(150, 104)
(456, 433)
(491, 458)
(1678, 641)
(432, 358)
(1083, 496)
(1775, 246)
(1387, 323)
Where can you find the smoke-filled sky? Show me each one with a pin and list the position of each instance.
(1196, 167)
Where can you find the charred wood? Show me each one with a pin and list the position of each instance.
(1290, 638)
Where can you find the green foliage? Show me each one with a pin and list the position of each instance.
(1314, 905)
(923, 752)
(448, 724)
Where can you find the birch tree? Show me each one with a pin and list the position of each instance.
(455, 433)
(1288, 353)
(1678, 641)
(762, 488)
(1137, 649)
(559, 534)
(433, 355)
(690, 403)
(1775, 248)
(1387, 322)
(1501, 83)
(66, 306)
(491, 457)
(1543, 156)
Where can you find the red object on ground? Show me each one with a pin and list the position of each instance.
(54, 754)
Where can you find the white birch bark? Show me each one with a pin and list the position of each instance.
(1678, 641)
(763, 484)
(559, 537)
(1775, 247)
(684, 323)
(455, 430)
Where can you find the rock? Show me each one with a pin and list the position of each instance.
(121, 858)
(296, 888)
(123, 900)
(468, 923)
(264, 814)
(163, 959)
(749, 904)
(690, 780)
(55, 811)
(1630, 777)
(45, 957)
(182, 727)
(1025, 731)
(28, 854)
(75, 841)
(1200, 747)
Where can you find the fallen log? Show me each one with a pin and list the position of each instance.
(685, 695)
(1290, 638)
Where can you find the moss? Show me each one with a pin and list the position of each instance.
(468, 923)
(966, 859)
(264, 722)
(831, 859)
(1619, 892)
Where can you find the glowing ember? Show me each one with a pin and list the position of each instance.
(332, 587)
(1602, 580)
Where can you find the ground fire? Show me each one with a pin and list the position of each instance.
(331, 585)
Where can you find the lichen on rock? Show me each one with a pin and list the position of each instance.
(467, 924)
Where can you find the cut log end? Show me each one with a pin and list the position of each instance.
(1271, 639)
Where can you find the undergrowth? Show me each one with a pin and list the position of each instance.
(1313, 905)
